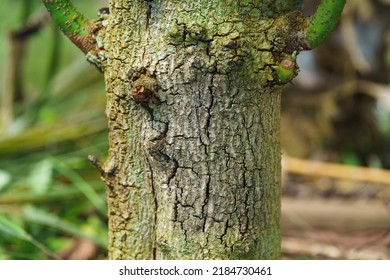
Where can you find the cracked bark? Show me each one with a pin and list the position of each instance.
(195, 175)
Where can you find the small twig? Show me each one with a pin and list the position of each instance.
(31, 27)
(97, 164)
(335, 170)
(354, 50)
(13, 88)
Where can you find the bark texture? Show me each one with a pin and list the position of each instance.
(194, 115)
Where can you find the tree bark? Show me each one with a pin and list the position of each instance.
(194, 116)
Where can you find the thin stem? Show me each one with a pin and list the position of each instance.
(324, 20)
(71, 22)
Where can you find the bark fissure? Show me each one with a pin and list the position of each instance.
(155, 209)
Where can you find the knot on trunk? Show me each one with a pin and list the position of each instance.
(144, 89)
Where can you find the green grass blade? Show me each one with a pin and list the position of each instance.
(82, 185)
(34, 215)
(10, 228)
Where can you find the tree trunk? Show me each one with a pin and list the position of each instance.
(194, 115)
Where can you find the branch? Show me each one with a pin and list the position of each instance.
(335, 170)
(322, 23)
(72, 23)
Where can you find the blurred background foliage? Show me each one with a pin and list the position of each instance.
(52, 201)
(336, 201)
(338, 109)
